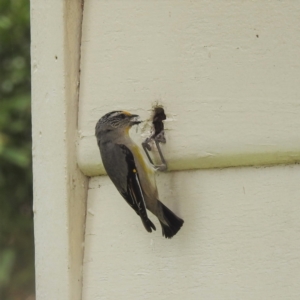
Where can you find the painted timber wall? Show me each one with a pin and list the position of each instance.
(227, 75)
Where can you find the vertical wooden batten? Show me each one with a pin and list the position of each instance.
(59, 186)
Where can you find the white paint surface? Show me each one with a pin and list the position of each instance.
(240, 239)
(59, 186)
(227, 73)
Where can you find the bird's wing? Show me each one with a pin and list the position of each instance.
(114, 158)
(120, 166)
(134, 193)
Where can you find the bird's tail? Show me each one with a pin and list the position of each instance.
(174, 223)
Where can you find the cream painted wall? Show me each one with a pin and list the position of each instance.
(228, 75)
(58, 184)
(240, 239)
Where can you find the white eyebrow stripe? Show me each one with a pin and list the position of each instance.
(114, 114)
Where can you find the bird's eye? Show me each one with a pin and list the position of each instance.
(122, 116)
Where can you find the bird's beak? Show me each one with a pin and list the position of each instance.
(134, 120)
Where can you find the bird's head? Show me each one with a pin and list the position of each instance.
(116, 120)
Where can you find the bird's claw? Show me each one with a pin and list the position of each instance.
(160, 138)
(146, 144)
(161, 168)
(147, 147)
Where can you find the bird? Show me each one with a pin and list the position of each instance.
(131, 174)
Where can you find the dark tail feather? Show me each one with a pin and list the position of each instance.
(173, 221)
(148, 224)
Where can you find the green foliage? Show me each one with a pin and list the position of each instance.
(16, 220)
